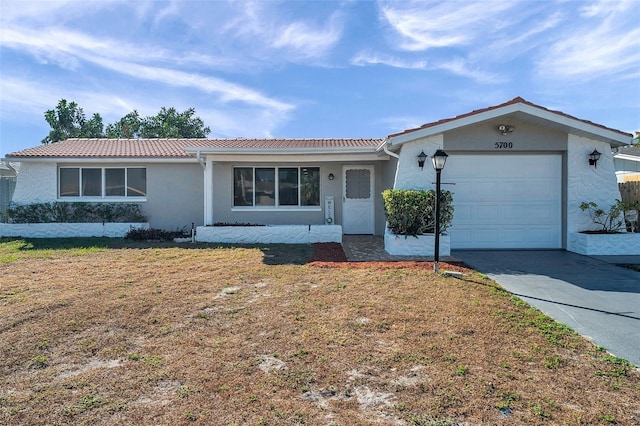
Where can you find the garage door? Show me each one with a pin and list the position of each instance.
(505, 201)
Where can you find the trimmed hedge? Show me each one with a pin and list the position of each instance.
(154, 234)
(412, 212)
(60, 212)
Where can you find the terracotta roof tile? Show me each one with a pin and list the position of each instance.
(175, 148)
(511, 102)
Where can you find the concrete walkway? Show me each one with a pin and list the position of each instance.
(593, 296)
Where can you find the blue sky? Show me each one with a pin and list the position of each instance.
(315, 69)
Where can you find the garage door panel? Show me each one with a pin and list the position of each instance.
(472, 191)
(505, 238)
(540, 190)
(463, 236)
(514, 214)
(486, 214)
(462, 213)
(514, 236)
(510, 201)
(487, 236)
(540, 214)
(542, 236)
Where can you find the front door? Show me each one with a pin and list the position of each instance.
(357, 200)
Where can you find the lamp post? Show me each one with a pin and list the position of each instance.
(439, 159)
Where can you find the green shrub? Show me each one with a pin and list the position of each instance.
(152, 234)
(61, 212)
(412, 212)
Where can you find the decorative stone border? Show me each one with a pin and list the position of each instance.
(270, 234)
(423, 245)
(604, 244)
(68, 230)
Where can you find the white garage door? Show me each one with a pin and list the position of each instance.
(505, 201)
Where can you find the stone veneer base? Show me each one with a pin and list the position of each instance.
(604, 244)
(68, 230)
(423, 245)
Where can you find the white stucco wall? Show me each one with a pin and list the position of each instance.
(408, 174)
(588, 183)
(36, 183)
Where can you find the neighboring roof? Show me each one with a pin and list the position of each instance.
(516, 106)
(7, 169)
(177, 148)
(628, 153)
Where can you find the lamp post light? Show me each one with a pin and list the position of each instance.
(439, 159)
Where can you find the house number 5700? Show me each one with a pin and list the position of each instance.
(504, 145)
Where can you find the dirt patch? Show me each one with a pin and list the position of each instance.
(331, 255)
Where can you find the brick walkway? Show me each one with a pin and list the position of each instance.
(367, 248)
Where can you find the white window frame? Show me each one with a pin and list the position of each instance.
(276, 207)
(103, 197)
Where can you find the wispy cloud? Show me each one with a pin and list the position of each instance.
(269, 33)
(227, 92)
(69, 50)
(605, 42)
(460, 66)
(306, 40)
(424, 25)
(64, 48)
(368, 58)
(457, 66)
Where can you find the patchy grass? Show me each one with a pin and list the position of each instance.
(105, 331)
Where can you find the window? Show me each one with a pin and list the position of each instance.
(102, 182)
(358, 183)
(69, 182)
(276, 186)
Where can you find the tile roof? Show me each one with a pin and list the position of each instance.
(175, 148)
(517, 100)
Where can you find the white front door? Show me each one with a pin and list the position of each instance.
(357, 200)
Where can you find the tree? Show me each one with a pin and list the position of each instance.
(127, 127)
(67, 120)
(169, 123)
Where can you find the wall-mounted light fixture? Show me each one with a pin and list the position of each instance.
(331, 176)
(505, 129)
(422, 157)
(593, 158)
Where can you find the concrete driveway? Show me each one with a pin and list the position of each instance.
(597, 299)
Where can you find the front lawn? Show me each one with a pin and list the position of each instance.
(102, 331)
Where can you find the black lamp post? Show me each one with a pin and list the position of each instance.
(439, 159)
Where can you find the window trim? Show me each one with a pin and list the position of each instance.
(276, 207)
(102, 197)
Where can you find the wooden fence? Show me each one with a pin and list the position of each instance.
(630, 191)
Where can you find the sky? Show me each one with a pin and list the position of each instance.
(315, 69)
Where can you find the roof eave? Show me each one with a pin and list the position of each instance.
(280, 151)
(104, 159)
(571, 125)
